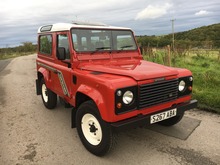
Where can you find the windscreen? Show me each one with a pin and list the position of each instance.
(91, 40)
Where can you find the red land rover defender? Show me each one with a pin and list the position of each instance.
(99, 71)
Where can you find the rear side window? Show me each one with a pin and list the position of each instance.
(45, 43)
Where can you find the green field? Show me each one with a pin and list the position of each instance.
(25, 49)
(205, 66)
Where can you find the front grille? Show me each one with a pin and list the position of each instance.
(158, 93)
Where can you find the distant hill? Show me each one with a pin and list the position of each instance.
(204, 37)
(204, 33)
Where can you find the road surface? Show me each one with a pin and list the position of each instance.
(4, 63)
(31, 135)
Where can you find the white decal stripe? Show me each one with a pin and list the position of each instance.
(60, 76)
(63, 84)
(48, 67)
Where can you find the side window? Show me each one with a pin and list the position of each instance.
(62, 41)
(45, 44)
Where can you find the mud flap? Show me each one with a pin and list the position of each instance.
(73, 118)
(38, 91)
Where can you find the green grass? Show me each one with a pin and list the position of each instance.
(205, 66)
(4, 56)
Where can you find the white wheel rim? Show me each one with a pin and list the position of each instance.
(44, 93)
(91, 129)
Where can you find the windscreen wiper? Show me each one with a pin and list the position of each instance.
(101, 48)
(126, 46)
(123, 47)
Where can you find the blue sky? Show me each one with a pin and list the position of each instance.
(20, 19)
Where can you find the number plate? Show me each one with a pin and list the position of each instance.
(162, 116)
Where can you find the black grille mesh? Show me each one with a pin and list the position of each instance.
(158, 93)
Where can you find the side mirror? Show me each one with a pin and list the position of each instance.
(61, 53)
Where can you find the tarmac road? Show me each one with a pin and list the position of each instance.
(4, 63)
(31, 135)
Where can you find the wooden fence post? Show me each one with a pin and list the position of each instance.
(168, 55)
(219, 56)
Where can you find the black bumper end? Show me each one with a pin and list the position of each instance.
(143, 120)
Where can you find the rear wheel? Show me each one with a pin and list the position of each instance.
(49, 98)
(172, 121)
(95, 134)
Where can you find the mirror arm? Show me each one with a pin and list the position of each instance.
(68, 63)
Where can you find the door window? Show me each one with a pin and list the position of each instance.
(62, 41)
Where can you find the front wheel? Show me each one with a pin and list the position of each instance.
(95, 134)
(49, 98)
(172, 121)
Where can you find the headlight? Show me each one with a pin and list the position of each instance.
(128, 97)
(185, 86)
(182, 85)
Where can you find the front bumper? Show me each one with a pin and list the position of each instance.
(143, 120)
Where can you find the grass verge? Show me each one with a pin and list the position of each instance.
(13, 55)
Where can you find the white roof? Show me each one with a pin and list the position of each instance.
(67, 26)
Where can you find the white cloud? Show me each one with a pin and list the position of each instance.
(41, 11)
(202, 12)
(20, 19)
(152, 12)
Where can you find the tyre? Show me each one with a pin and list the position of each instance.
(49, 98)
(172, 121)
(95, 134)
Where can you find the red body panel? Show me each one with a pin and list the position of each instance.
(100, 75)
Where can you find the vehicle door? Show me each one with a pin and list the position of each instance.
(63, 67)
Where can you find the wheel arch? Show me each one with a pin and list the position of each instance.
(39, 75)
(43, 73)
(86, 93)
(79, 99)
